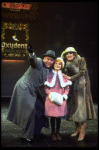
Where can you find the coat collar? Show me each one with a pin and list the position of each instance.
(62, 84)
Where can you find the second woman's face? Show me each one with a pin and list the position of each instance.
(57, 65)
(70, 56)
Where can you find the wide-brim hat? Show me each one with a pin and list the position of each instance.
(70, 49)
(50, 53)
(67, 50)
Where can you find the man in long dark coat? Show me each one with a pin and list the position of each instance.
(26, 108)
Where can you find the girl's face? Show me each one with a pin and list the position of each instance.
(57, 66)
(70, 56)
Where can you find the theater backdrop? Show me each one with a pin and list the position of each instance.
(47, 25)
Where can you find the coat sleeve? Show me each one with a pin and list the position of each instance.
(66, 90)
(32, 59)
(21, 106)
(47, 90)
(82, 69)
(35, 62)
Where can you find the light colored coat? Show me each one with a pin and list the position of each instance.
(80, 104)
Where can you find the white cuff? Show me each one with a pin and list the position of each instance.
(69, 83)
(47, 83)
(65, 96)
(51, 96)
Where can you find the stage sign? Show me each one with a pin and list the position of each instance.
(16, 6)
(14, 40)
(22, 10)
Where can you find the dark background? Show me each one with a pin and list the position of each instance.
(8, 39)
(56, 25)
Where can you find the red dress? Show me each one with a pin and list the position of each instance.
(52, 109)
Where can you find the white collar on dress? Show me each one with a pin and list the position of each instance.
(54, 80)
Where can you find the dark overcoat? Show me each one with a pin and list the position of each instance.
(25, 93)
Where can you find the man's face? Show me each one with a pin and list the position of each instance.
(48, 61)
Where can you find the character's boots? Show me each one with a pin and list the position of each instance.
(53, 136)
(77, 130)
(82, 131)
(58, 136)
(58, 122)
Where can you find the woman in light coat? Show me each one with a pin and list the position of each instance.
(56, 88)
(80, 107)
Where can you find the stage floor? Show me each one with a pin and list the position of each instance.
(10, 133)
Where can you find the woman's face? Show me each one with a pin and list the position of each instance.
(57, 66)
(69, 56)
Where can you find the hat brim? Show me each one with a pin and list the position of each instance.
(67, 50)
(70, 52)
(49, 56)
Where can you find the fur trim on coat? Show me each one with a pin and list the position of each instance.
(54, 80)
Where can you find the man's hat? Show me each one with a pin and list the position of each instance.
(50, 53)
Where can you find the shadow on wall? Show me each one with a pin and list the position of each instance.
(11, 71)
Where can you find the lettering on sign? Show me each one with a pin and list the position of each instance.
(16, 6)
(11, 45)
(13, 49)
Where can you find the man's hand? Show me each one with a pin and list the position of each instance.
(30, 49)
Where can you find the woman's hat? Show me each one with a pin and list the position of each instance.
(70, 49)
(50, 53)
(67, 50)
(61, 60)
